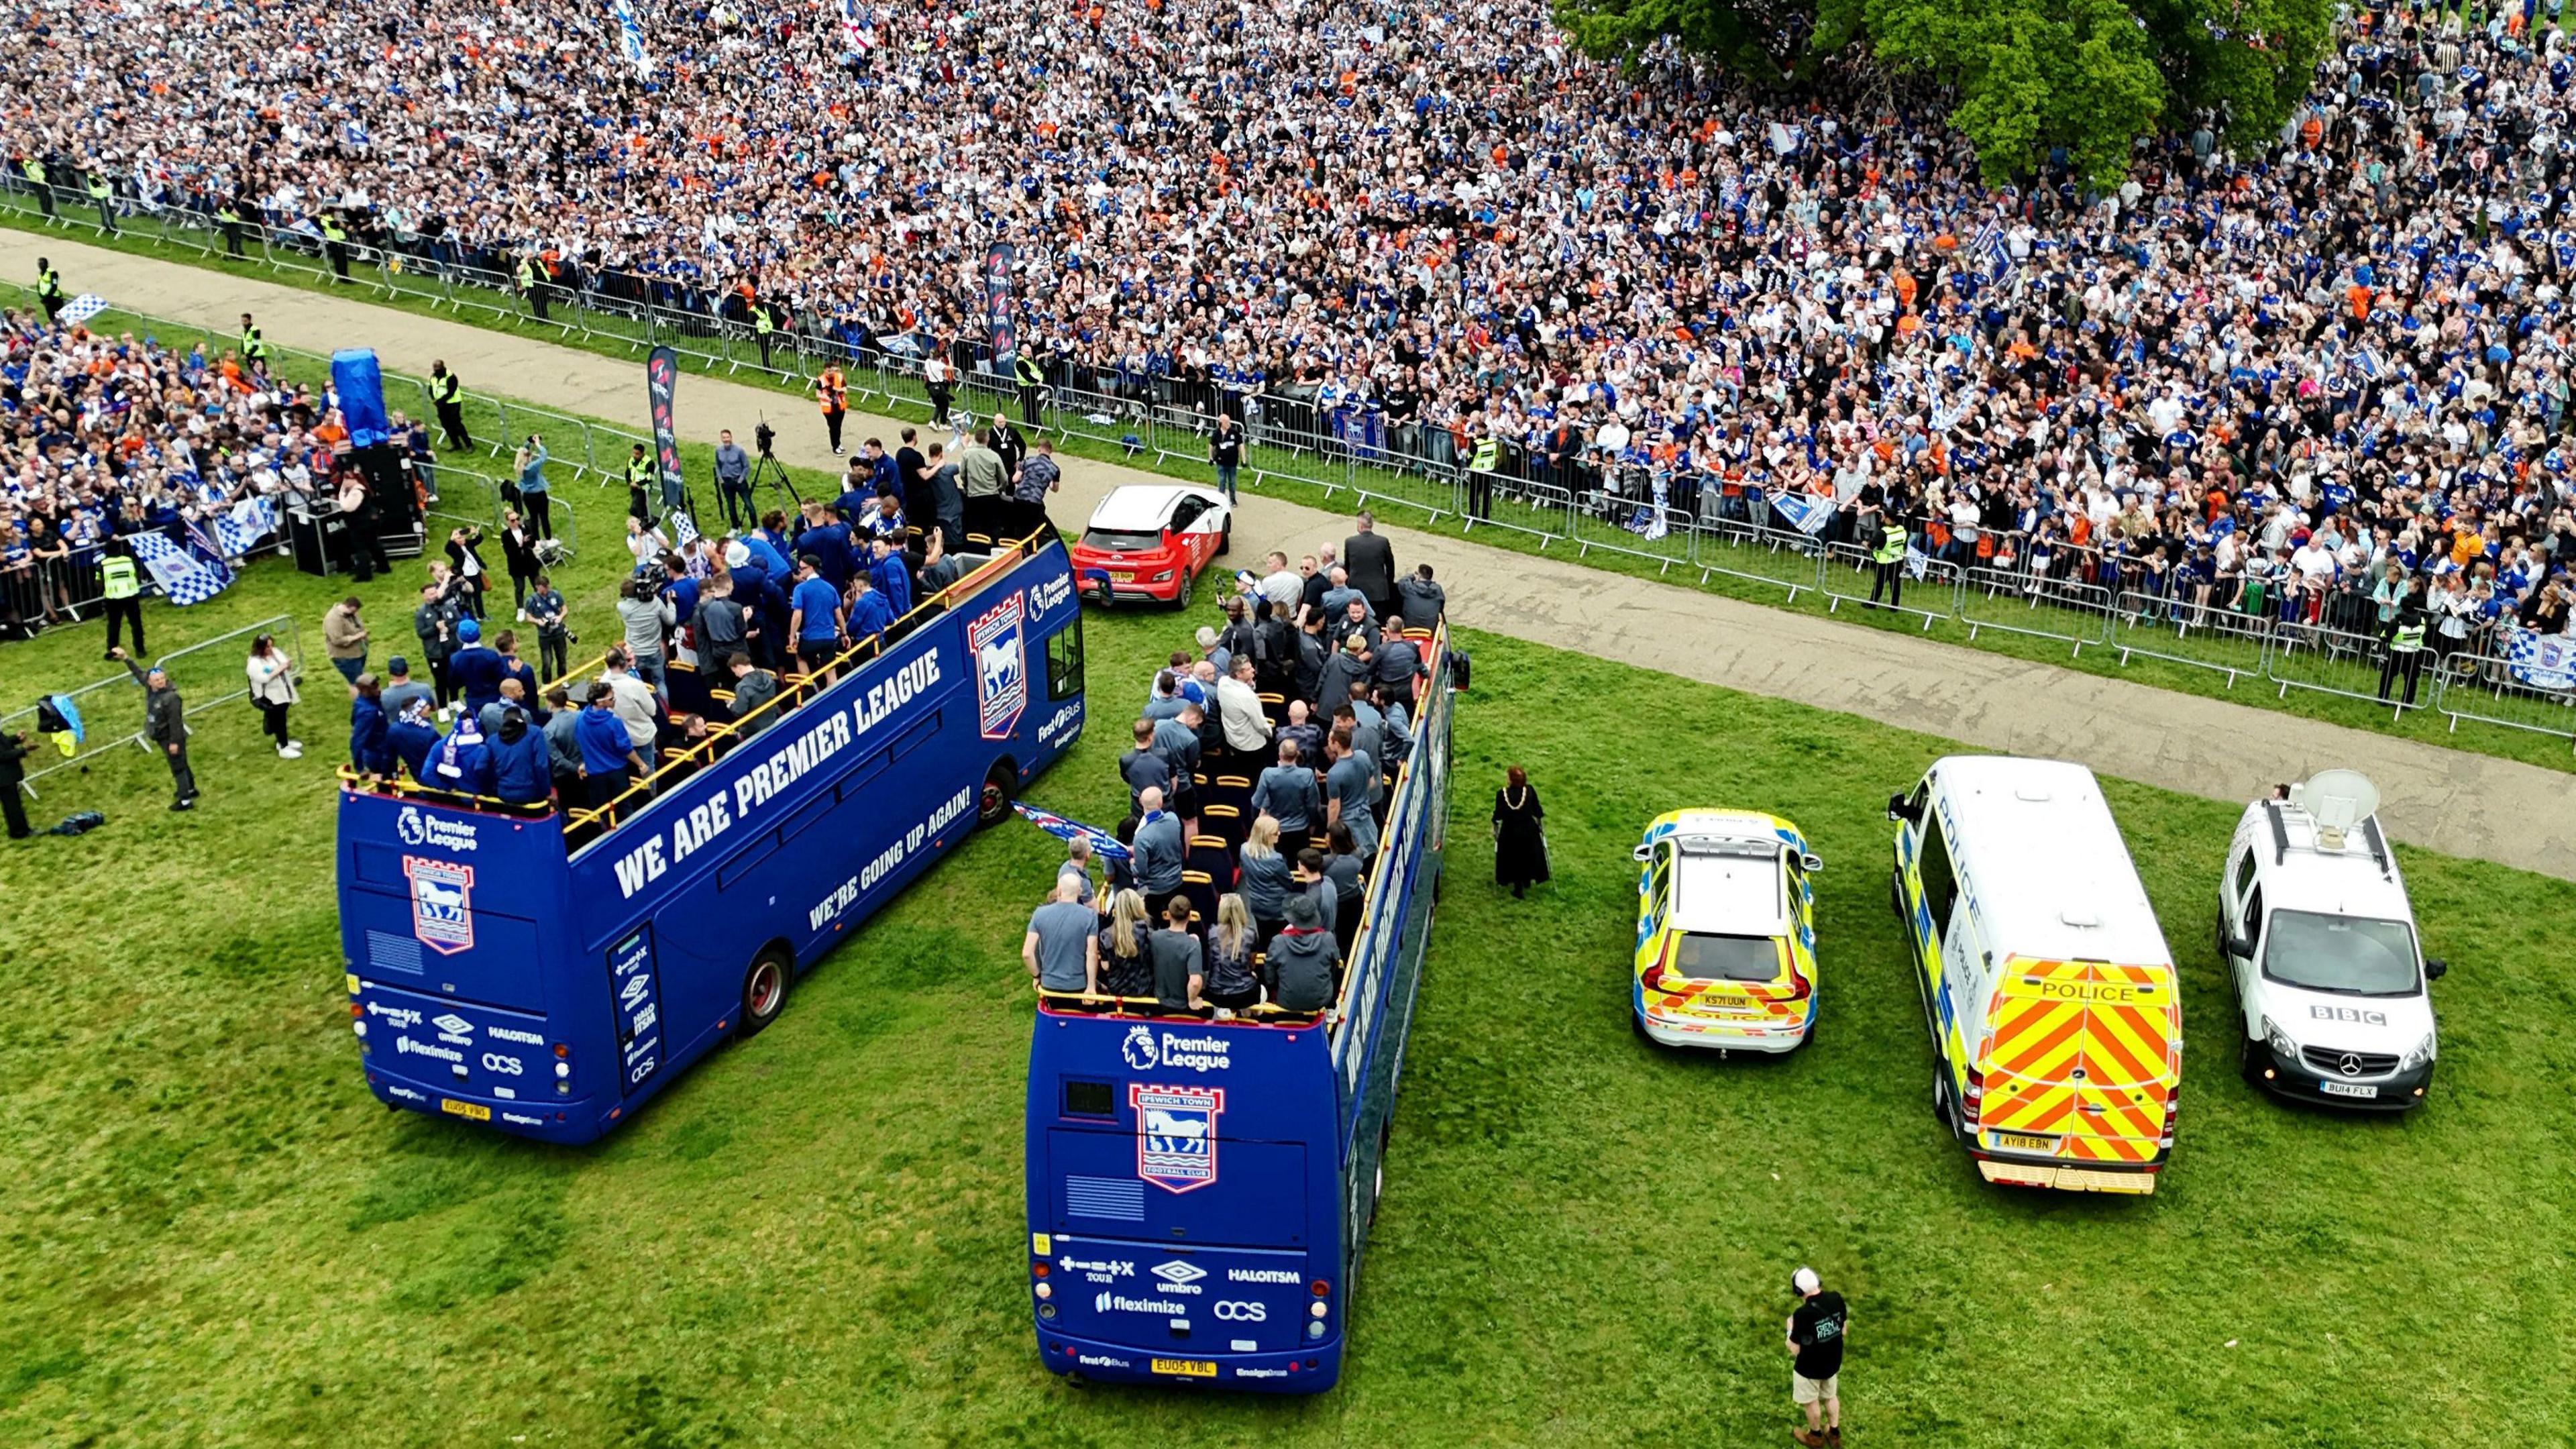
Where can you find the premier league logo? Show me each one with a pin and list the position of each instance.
(1176, 1134)
(1001, 668)
(442, 904)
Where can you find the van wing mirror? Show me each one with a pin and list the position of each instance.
(1642, 854)
(1811, 863)
(2238, 946)
(2435, 968)
(1898, 810)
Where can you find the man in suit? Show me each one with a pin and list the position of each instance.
(1368, 560)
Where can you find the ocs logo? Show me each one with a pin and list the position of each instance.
(1138, 1049)
(408, 826)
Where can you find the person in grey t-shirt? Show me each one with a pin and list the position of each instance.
(1347, 787)
(1180, 966)
(1062, 946)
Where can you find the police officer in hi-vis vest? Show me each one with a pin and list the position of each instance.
(253, 344)
(1889, 559)
(49, 290)
(532, 286)
(1032, 379)
(2405, 655)
(1480, 475)
(447, 395)
(122, 582)
(643, 475)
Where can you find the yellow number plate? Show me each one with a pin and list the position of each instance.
(1122, 576)
(470, 1111)
(1196, 1368)
(2023, 1141)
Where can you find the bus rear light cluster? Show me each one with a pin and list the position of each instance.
(1045, 1291)
(1319, 1288)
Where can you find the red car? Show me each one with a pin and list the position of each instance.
(1149, 541)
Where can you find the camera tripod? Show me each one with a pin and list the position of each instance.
(767, 467)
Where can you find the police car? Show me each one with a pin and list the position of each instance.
(1726, 940)
(1149, 541)
(2315, 927)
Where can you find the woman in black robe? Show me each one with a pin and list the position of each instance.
(1520, 834)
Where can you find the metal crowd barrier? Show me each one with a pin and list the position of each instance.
(2190, 632)
(2482, 687)
(2331, 661)
(1850, 575)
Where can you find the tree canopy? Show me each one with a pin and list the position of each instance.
(2025, 76)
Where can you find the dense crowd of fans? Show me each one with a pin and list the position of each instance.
(105, 437)
(2252, 374)
(1258, 784)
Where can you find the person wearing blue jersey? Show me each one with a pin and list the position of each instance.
(889, 576)
(814, 618)
(870, 612)
(609, 760)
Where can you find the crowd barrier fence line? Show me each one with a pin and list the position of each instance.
(2481, 687)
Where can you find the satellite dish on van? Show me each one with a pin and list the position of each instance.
(2337, 800)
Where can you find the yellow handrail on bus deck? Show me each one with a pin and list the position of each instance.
(352, 778)
(1378, 879)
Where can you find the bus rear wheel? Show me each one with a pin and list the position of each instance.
(995, 801)
(764, 990)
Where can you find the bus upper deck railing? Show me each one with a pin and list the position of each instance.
(597, 822)
(353, 779)
(1102, 1003)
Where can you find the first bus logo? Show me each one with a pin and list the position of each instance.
(1001, 667)
(442, 903)
(1176, 1134)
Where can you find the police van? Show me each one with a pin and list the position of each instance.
(2046, 985)
(2320, 941)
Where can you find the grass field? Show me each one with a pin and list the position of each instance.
(210, 1234)
(1289, 475)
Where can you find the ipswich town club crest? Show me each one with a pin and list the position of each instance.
(1176, 1134)
(442, 904)
(1001, 667)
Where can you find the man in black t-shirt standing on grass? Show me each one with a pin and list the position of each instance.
(1815, 1335)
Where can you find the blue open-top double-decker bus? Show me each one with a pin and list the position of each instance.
(544, 972)
(1199, 1191)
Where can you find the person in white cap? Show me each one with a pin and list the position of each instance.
(1815, 1336)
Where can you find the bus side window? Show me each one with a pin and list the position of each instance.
(1089, 1099)
(1064, 661)
(1940, 881)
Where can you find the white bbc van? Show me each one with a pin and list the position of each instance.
(2320, 941)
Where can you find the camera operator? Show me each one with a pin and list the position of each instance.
(533, 494)
(644, 607)
(545, 609)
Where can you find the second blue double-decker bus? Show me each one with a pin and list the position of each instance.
(497, 976)
(1200, 1191)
